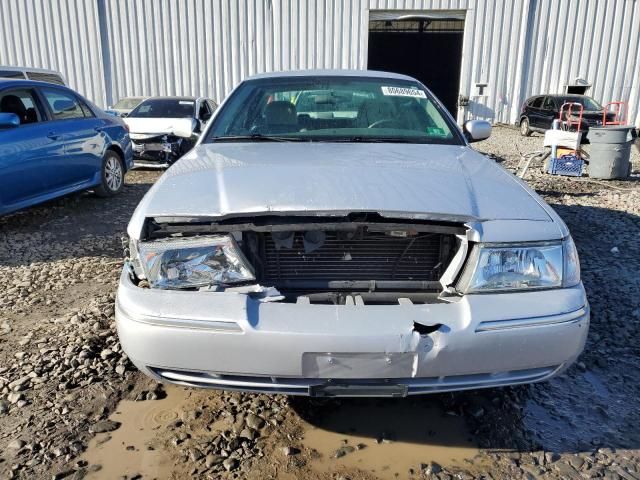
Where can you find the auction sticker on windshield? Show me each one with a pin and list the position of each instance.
(403, 92)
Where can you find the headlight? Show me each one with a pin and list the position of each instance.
(521, 267)
(194, 262)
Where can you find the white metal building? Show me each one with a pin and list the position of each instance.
(494, 52)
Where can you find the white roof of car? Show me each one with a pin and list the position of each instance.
(331, 73)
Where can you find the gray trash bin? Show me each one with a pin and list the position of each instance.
(610, 151)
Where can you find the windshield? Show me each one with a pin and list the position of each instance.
(586, 102)
(129, 102)
(165, 108)
(333, 109)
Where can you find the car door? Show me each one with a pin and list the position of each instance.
(535, 108)
(547, 113)
(26, 150)
(81, 132)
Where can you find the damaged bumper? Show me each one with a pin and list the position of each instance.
(159, 151)
(234, 342)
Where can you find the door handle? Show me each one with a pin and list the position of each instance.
(53, 135)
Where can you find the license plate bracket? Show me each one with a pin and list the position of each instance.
(358, 390)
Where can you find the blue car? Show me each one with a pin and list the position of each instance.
(54, 142)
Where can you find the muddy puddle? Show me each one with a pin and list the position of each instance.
(388, 438)
(135, 448)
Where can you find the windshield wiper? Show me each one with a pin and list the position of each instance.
(365, 139)
(256, 137)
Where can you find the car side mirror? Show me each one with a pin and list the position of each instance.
(476, 130)
(9, 120)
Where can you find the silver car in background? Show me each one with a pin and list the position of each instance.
(125, 106)
(358, 246)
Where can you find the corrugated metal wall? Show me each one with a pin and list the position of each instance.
(208, 47)
(59, 34)
(112, 48)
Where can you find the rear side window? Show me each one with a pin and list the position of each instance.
(536, 102)
(45, 77)
(65, 105)
(11, 74)
(21, 103)
(548, 104)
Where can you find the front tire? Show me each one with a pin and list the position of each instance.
(112, 175)
(525, 131)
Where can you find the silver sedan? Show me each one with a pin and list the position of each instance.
(333, 234)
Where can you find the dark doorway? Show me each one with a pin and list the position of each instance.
(429, 50)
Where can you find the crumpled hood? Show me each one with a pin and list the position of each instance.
(443, 182)
(141, 128)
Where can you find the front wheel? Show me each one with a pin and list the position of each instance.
(112, 175)
(525, 131)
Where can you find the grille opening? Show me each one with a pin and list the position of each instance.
(343, 266)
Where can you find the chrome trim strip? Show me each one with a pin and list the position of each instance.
(190, 323)
(209, 380)
(562, 318)
(304, 386)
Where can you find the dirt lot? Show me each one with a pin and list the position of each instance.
(72, 406)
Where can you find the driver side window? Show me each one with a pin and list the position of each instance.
(21, 103)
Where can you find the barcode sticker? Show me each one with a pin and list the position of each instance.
(403, 92)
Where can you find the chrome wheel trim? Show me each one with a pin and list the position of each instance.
(524, 126)
(113, 173)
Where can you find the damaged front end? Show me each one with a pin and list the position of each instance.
(159, 150)
(357, 259)
(351, 305)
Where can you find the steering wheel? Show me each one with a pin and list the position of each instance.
(385, 122)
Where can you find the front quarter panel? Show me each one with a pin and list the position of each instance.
(118, 136)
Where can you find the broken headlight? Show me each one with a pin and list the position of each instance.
(494, 268)
(194, 262)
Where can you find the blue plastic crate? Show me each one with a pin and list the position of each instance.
(569, 165)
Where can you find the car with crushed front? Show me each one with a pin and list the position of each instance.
(162, 129)
(367, 253)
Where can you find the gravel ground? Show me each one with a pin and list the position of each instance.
(62, 372)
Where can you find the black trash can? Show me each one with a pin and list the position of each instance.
(610, 151)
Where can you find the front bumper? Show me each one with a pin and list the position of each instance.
(233, 342)
(159, 153)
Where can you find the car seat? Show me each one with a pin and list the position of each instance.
(280, 117)
(372, 111)
(415, 117)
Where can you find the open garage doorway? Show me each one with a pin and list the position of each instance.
(429, 49)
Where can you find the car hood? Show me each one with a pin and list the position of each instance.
(141, 128)
(439, 182)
